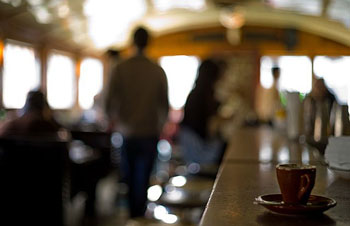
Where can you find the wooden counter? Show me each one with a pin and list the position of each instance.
(248, 171)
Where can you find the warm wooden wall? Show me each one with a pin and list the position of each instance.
(255, 41)
(263, 40)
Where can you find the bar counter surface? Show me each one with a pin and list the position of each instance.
(248, 171)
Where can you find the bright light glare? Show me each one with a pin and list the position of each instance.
(170, 219)
(90, 81)
(336, 74)
(20, 74)
(178, 181)
(296, 73)
(154, 193)
(181, 72)
(164, 5)
(305, 156)
(283, 155)
(175, 195)
(160, 212)
(109, 20)
(265, 153)
(266, 79)
(61, 90)
(164, 147)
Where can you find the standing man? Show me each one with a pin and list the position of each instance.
(138, 100)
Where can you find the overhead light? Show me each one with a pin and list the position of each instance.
(233, 19)
(109, 21)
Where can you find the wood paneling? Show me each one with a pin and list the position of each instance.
(264, 40)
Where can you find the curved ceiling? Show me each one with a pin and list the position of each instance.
(100, 24)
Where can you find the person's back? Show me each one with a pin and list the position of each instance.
(199, 143)
(29, 124)
(137, 103)
(140, 94)
(35, 121)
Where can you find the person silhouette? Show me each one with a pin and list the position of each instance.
(36, 119)
(137, 97)
(199, 143)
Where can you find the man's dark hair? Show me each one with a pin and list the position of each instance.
(35, 101)
(208, 73)
(141, 38)
(276, 72)
(113, 53)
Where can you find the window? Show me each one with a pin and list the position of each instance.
(266, 79)
(296, 73)
(21, 74)
(181, 72)
(335, 72)
(90, 81)
(61, 83)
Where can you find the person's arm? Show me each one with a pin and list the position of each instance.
(110, 97)
(164, 101)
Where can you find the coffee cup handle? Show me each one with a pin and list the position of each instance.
(305, 186)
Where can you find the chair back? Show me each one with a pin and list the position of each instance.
(98, 140)
(32, 173)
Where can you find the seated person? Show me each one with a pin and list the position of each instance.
(199, 143)
(36, 119)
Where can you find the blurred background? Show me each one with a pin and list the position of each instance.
(61, 47)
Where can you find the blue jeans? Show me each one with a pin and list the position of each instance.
(138, 155)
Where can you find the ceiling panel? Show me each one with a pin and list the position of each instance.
(99, 24)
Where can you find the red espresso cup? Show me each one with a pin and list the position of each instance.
(296, 182)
